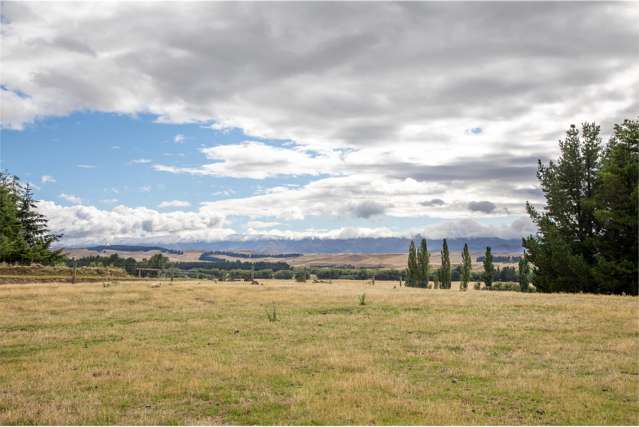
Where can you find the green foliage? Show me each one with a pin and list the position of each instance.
(422, 264)
(24, 235)
(444, 271)
(436, 278)
(587, 239)
(362, 299)
(489, 268)
(465, 268)
(524, 271)
(301, 275)
(412, 273)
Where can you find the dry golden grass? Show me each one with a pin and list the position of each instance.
(205, 353)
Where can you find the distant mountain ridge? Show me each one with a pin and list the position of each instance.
(330, 246)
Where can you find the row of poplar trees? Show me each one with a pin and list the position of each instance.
(24, 235)
(418, 269)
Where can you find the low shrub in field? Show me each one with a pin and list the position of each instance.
(362, 299)
(509, 286)
(272, 313)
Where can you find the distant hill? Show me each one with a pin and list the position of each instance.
(361, 245)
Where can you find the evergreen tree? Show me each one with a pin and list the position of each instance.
(587, 232)
(524, 271)
(445, 277)
(489, 268)
(616, 267)
(465, 268)
(412, 270)
(422, 264)
(24, 237)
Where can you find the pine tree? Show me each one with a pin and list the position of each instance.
(24, 237)
(412, 270)
(616, 210)
(579, 246)
(466, 267)
(422, 264)
(445, 277)
(489, 268)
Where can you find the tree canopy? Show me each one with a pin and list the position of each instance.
(587, 232)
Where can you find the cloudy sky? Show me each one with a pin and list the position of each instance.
(166, 122)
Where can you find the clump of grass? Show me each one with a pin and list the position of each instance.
(362, 299)
(272, 313)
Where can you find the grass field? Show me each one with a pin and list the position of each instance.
(206, 353)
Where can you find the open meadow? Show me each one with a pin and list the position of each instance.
(207, 353)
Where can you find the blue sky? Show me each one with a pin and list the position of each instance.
(300, 120)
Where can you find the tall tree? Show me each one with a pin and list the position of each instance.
(465, 268)
(24, 237)
(445, 277)
(412, 268)
(587, 232)
(524, 271)
(423, 264)
(616, 267)
(489, 268)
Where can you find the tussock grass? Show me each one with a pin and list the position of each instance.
(202, 353)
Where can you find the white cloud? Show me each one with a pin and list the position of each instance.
(145, 189)
(261, 224)
(174, 204)
(140, 161)
(70, 198)
(88, 224)
(389, 107)
(46, 179)
(86, 166)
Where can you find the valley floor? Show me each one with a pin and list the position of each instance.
(206, 353)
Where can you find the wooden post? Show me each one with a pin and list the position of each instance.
(252, 272)
(400, 280)
(172, 272)
(139, 273)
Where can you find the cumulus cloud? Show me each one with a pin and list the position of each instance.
(174, 204)
(71, 198)
(432, 202)
(252, 159)
(46, 179)
(470, 228)
(179, 138)
(484, 206)
(87, 224)
(367, 209)
(377, 103)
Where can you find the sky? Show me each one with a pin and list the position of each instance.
(185, 122)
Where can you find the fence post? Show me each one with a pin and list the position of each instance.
(75, 266)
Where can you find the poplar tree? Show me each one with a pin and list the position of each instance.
(422, 264)
(489, 268)
(445, 276)
(523, 273)
(412, 270)
(466, 267)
